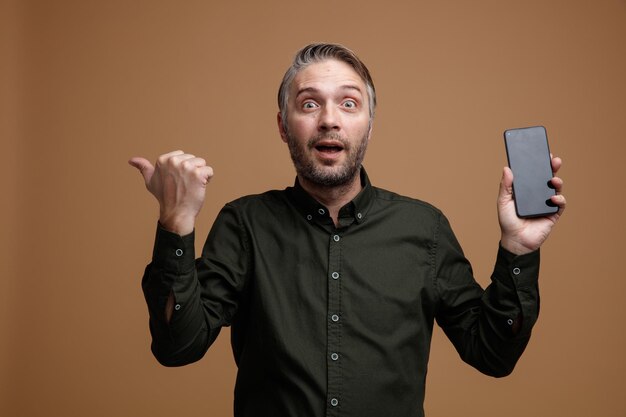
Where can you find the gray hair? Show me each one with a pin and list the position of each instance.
(318, 52)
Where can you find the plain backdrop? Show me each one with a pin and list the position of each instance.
(85, 85)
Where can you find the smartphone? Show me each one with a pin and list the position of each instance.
(528, 154)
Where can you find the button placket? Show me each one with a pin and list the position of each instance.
(334, 326)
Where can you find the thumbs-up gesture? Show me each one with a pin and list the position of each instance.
(178, 181)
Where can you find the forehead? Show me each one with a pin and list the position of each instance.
(327, 74)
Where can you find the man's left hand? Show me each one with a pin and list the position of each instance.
(520, 236)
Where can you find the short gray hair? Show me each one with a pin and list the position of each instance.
(318, 52)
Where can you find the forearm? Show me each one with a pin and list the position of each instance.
(492, 334)
(177, 321)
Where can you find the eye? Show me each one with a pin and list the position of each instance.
(309, 105)
(350, 104)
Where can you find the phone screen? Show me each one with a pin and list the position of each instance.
(529, 159)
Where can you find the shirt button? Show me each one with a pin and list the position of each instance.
(334, 318)
(334, 356)
(335, 275)
(309, 217)
(177, 307)
(321, 211)
(334, 402)
(336, 238)
(179, 252)
(516, 271)
(359, 216)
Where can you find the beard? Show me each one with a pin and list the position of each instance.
(324, 174)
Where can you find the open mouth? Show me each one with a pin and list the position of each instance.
(329, 147)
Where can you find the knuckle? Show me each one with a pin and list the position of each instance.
(175, 161)
(162, 160)
(171, 161)
(187, 165)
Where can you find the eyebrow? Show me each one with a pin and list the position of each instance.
(315, 90)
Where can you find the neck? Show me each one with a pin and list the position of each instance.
(333, 197)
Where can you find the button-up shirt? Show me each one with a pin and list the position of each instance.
(335, 320)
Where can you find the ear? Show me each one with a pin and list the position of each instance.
(281, 127)
(369, 133)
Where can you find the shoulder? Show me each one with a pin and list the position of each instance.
(267, 197)
(405, 215)
(268, 204)
(268, 200)
(386, 198)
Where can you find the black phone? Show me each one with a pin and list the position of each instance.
(528, 154)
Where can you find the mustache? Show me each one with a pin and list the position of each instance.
(328, 136)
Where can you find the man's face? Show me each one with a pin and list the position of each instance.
(328, 123)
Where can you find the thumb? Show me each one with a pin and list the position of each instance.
(506, 184)
(144, 166)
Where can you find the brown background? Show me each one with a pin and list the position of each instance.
(85, 85)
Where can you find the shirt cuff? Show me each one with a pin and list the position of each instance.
(518, 271)
(173, 252)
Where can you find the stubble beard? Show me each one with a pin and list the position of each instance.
(321, 173)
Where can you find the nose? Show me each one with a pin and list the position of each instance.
(329, 119)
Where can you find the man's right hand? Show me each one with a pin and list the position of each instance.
(178, 181)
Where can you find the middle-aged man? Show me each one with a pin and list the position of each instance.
(332, 286)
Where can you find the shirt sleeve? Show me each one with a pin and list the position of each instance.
(205, 290)
(489, 328)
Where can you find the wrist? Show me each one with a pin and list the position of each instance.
(515, 247)
(181, 225)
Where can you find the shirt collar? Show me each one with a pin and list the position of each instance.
(311, 209)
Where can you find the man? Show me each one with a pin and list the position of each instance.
(332, 286)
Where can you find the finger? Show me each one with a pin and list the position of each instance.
(144, 166)
(560, 201)
(181, 160)
(556, 164)
(192, 165)
(182, 157)
(506, 184)
(556, 183)
(205, 173)
(173, 153)
(162, 159)
(194, 162)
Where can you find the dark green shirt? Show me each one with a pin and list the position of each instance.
(333, 321)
